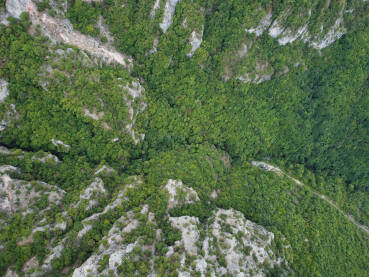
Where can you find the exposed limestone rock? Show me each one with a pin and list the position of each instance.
(261, 74)
(135, 91)
(5, 151)
(154, 46)
(16, 195)
(55, 253)
(170, 7)
(184, 23)
(337, 31)
(243, 244)
(243, 51)
(195, 41)
(104, 30)
(286, 35)
(6, 168)
(16, 7)
(30, 264)
(47, 158)
(8, 117)
(3, 18)
(154, 8)
(115, 249)
(91, 192)
(250, 236)
(6, 195)
(275, 30)
(190, 232)
(61, 30)
(105, 169)
(84, 231)
(62, 225)
(60, 143)
(118, 200)
(180, 194)
(289, 36)
(3, 90)
(10, 273)
(263, 25)
(94, 115)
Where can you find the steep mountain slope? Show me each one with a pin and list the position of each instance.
(128, 130)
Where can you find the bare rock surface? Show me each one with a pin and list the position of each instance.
(170, 7)
(3, 90)
(61, 30)
(195, 41)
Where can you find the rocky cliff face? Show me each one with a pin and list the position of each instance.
(227, 243)
(105, 218)
(61, 30)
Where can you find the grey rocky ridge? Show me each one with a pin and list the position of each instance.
(184, 138)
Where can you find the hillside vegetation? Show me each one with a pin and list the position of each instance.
(128, 129)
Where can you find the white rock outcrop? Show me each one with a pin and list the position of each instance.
(190, 232)
(134, 94)
(61, 30)
(105, 169)
(7, 168)
(170, 7)
(261, 73)
(335, 33)
(94, 114)
(263, 25)
(56, 142)
(47, 158)
(116, 249)
(3, 90)
(241, 244)
(286, 35)
(180, 194)
(195, 41)
(10, 115)
(54, 254)
(16, 7)
(154, 8)
(91, 193)
(17, 195)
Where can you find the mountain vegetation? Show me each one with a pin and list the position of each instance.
(91, 147)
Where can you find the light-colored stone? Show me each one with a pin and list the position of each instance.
(91, 193)
(61, 30)
(3, 90)
(59, 143)
(94, 114)
(263, 25)
(16, 7)
(195, 41)
(154, 8)
(135, 91)
(170, 7)
(180, 194)
(189, 231)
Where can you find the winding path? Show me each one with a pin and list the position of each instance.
(277, 170)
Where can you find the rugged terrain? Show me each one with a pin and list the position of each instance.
(184, 138)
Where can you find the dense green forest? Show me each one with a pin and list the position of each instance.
(202, 125)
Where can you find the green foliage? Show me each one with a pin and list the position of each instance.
(313, 121)
(84, 16)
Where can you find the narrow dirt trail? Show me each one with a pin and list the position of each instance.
(277, 170)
